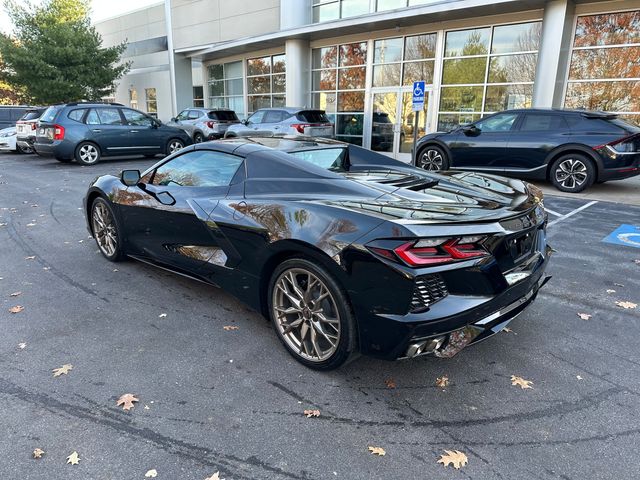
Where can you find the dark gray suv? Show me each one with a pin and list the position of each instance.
(86, 132)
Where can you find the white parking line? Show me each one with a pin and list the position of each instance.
(572, 213)
(552, 212)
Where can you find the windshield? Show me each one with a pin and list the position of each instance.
(50, 114)
(327, 158)
(31, 115)
(224, 116)
(313, 116)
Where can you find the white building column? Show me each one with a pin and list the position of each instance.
(298, 56)
(180, 70)
(554, 53)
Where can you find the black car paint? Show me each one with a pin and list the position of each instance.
(278, 207)
(529, 155)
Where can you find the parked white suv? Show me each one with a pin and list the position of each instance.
(284, 121)
(205, 123)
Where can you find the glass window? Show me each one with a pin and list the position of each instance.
(326, 57)
(419, 47)
(387, 51)
(326, 12)
(467, 42)
(92, 118)
(198, 96)
(324, 79)
(459, 99)
(390, 4)
(200, 168)
(464, 70)
(109, 116)
(226, 86)
(386, 75)
(450, 121)
(329, 158)
(215, 72)
(259, 85)
(543, 122)
(608, 29)
(183, 115)
(257, 117)
(508, 97)
(596, 63)
(50, 114)
(133, 98)
(265, 79)
(351, 78)
(194, 114)
(76, 115)
(259, 66)
(501, 122)
(416, 71)
(275, 116)
(523, 37)
(259, 101)
(133, 117)
(353, 54)
(351, 101)
(325, 101)
(351, 8)
(152, 101)
(279, 64)
(621, 96)
(513, 68)
(278, 84)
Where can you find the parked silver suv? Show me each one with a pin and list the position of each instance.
(284, 121)
(204, 123)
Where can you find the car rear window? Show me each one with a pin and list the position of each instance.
(581, 124)
(223, 116)
(313, 116)
(50, 113)
(31, 115)
(328, 158)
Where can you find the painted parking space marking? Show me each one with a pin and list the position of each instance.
(572, 213)
(627, 235)
(552, 212)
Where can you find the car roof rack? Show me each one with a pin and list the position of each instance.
(96, 102)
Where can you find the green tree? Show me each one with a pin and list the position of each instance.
(54, 54)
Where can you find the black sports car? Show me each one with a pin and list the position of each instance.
(345, 250)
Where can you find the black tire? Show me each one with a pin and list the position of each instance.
(174, 145)
(573, 173)
(335, 303)
(87, 153)
(64, 160)
(432, 158)
(198, 138)
(116, 231)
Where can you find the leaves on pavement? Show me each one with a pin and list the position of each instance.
(73, 459)
(626, 305)
(151, 473)
(584, 316)
(442, 382)
(15, 294)
(312, 413)
(22, 346)
(521, 382)
(610, 290)
(30, 257)
(390, 383)
(162, 315)
(508, 330)
(16, 309)
(38, 452)
(377, 451)
(127, 401)
(215, 476)
(454, 457)
(230, 327)
(63, 370)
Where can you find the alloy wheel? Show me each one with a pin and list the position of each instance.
(88, 153)
(571, 173)
(174, 146)
(431, 160)
(104, 229)
(306, 314)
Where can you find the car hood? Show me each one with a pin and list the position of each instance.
(440, 198)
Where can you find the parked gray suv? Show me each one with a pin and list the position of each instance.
(204, 124)
(284, 121)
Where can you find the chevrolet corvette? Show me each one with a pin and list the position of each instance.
(345, 250)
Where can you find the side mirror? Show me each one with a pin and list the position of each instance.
(165, 198)
(470, 130)
(174, 119)
(130, 178)
(244, 122)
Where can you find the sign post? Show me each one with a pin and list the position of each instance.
(417, 106)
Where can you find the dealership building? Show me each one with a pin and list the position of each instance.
(358, 59)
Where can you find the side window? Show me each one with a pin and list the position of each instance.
(497, 123)
(543, 122)
(109, 116)
(200, 168)
(183, 115)
(274, 116)
(92, 118)
(194, 114)
(257, 117)
(76, 115)
(136, 118)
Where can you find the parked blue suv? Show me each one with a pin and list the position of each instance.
(86, 132)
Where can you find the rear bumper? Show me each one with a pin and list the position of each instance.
(58, 149)
(28, 141)
(619, 173)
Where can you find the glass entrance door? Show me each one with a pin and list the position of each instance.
(392, 122)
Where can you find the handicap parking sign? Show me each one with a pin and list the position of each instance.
(628, 235)
(418, 96)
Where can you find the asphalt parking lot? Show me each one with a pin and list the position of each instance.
(232, 401)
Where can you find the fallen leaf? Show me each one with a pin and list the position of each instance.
(73, 459)
(618, 284)
(637, 262)
(521, 382)
(126, 401)
(390, 383)
(46, 268)
(230, 327)
(508, 330)
(377, 451)
(584, 316)
(442, 382)
(22, 346)
(151, 473)
(146, 407)
(578, 377)
(312, 413)
(215, 476)
(16, 309)
(63, 370)
(610, 290)
(31, 257)
(626, 305)
(31, 224)
(115, 270)
(454, 457)
(162, 315)
(38, 452)
(15, 294)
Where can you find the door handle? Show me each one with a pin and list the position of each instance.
(97, 130)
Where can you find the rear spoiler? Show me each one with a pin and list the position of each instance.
(604, 115)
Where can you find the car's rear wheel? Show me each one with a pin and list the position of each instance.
(573, 173)
(311, 314)
(106, 230)
(174, 145)
(198, 138)
(433, 158)
(87, 153)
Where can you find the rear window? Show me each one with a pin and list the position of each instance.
(581, 124)
(31, 115)
(223, 116)
(328, 158)
(50, 113)
(313, 116)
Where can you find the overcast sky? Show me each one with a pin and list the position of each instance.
(101, 9)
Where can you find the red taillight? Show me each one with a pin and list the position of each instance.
(301, 126)
(33, 126)
(624, 145)
(58, 132)
(211, 124)
(435, 251)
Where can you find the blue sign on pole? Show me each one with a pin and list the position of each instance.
(418, 96)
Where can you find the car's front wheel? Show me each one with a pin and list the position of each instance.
(311, 314)
(106, 230)
(572, 173)
(174, 145)
(432, 158)
(87, 153)
(198, 138)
